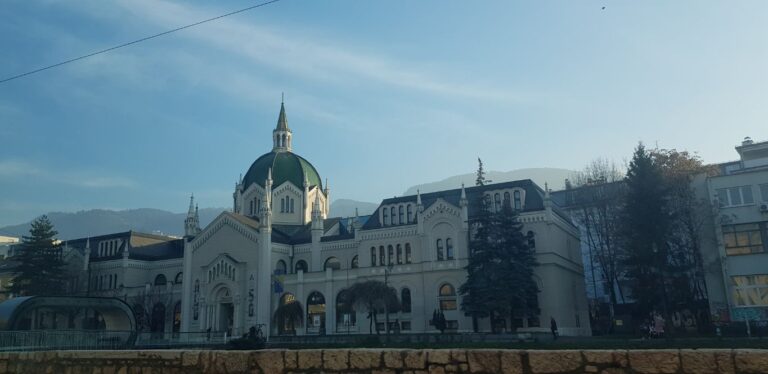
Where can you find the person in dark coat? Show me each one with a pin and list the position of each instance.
(553, 327)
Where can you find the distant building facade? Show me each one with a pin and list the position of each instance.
(735, 241)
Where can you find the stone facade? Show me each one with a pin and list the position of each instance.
(400, 361)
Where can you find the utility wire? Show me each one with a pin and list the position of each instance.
(137, 41)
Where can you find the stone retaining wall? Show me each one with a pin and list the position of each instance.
(392, 361)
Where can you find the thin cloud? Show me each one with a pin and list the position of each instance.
(78, 178)
(311, 58)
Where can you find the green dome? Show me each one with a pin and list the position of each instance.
(286, 166)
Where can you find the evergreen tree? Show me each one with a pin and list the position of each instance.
(480, 181)
(644, 232)
(41, 269)
(500, 269)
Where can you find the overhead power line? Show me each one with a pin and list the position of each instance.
(137, 41)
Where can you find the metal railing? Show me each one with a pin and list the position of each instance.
(44, 340)
(97, 340)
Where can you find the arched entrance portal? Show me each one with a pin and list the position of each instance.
(316, 313)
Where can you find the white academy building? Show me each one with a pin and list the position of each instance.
(278, 245)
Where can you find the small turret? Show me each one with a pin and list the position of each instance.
(317, 215)
(192, 222)
(266, 208)
(463, 199)
(87, 257)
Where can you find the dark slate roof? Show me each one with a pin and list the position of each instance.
(570, 198)
(160, 251)
(286, 166)
(301, 234)
(534, 200)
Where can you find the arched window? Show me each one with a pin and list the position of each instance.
(385, 215)
(292, 203)
(507, 202)
(301, 265)
(373, 256)
(345, 311)
(399, 254)
(400, 214)
(382, 256)
(440, 254)
(392, 213)
(497, 202)
(281, 267)
(354, 264)
(447, 297)
(282, 205)
(408, 258)
(449, 249)
(332, 263)
(405, 300)
(391, 253)
(160, 280)
(531, 240)
(251, 210)
(518, 201)
(179, 278)
(410, 213)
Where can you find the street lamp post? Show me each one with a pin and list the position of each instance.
(386, 303)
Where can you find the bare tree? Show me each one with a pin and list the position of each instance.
(596, 202)
(144, 303)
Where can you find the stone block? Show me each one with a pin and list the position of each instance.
(190, 358)
(614, 371)
(233, 361)
(724, 360)
(364, 359)
(335, 359)
(438, 356)
(291, 359)
(269, 361)
(383, 371)
(436, 369)
(484, 361)
(654, 361)
(598, 357)
(511, 362)
(393, 359)
(310, 359)
(698, 361)
(458, 355)
(414, 359)
(751, 360)
(554, 361)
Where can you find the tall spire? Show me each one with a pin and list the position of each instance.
(191, 210)
(281, 135)
(192, 222)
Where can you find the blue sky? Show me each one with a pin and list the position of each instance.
(381, 95)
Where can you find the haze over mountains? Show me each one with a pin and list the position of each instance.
(101, 221)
